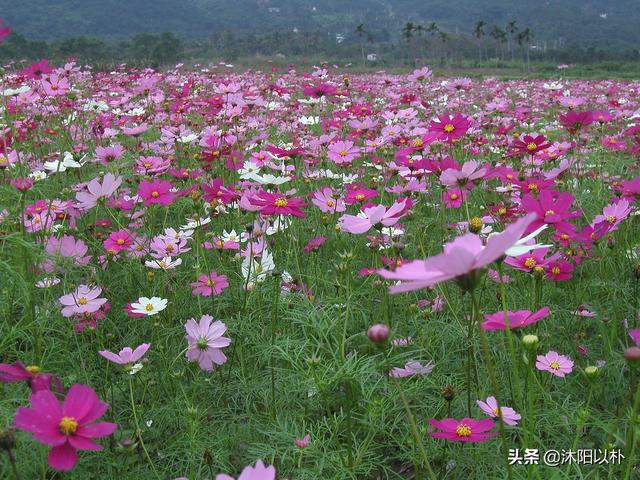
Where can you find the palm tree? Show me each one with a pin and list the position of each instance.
(500, 36)
(361, 32)
(512, 29)
(407, 34)
(478, 32)
(524, 38)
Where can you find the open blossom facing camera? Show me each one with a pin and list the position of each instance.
(552, 362)
(466, 430)
(149, 306)
(209, 284)
(206, 342)
(85, 299)
(66, 427)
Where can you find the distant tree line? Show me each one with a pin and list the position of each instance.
(416, 43)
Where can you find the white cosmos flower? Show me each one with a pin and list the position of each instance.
(62, 165)
(10, 92)
(248, 169)
(48, 282)
(149, 306)
(521, 247)
(167, 263)
(135, 368)
(38, 175)
(188, 138)
(267, 179)
(231, 236)
(256, 270)
(193, 223)
(310, 120)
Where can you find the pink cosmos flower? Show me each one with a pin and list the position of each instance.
(67, 427)
(158, 191)
(450, 127)
(314, 244)
(634, 333)
(206, 341)
(302, 442)
(454, 197)
(209, 284)
(517, 319)
(343, 153)
(106, 155)
(461, 257)
(278, 204)
(126, 355)
(97, 190)
(558, 365)
(465, 430)
(259, 472)
(506, 414)
(54, 85)
(66, 246)
(118, 241)
(31, 374)
(469, 172)
(83, 300)
(613, 214)
(327, 202)
(375, 216)
(411, 368)
(552, 207)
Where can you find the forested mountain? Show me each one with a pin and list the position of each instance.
(604, 24)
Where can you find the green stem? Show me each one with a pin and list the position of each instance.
(137, 425)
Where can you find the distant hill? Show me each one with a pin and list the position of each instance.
(604, 24)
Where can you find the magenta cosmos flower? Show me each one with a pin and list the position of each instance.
(84, 300)
(517, 319)
(259, 472)
(552, 362)
(449, 127)
(278, 204)
(67, 427)
(126, 355)
(506, 414)
(118, 241)
(4, 30)
(206, 341)
(30, 374)
(465, 430)
(461, 257)
(158, 191)
(209, 284)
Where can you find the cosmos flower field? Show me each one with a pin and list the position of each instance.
(317, 274)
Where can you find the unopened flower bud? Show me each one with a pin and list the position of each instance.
(378, 333)
(632, 354)
(591, 371)
(530, 342)
(448, 393)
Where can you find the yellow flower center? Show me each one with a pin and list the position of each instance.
(502, 211)
(530, 262)
(554, 365)
(209, 282)
(453, 196)
(120, 241)
(418, 142)
(3, 160)
(82, 301)
(330, 203)
(555, 270)
(463, 430)
(68, 425)
(33, 369)
(360, 196)
(496, 412)
(538, 269)
(533, 187)
(149, 307)
(155, 194)
(342, 153)
(611, 219)
(449, 128)
(531, 146)
(549, 212)
(475, 223)
(146, 164)
(281, 202)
